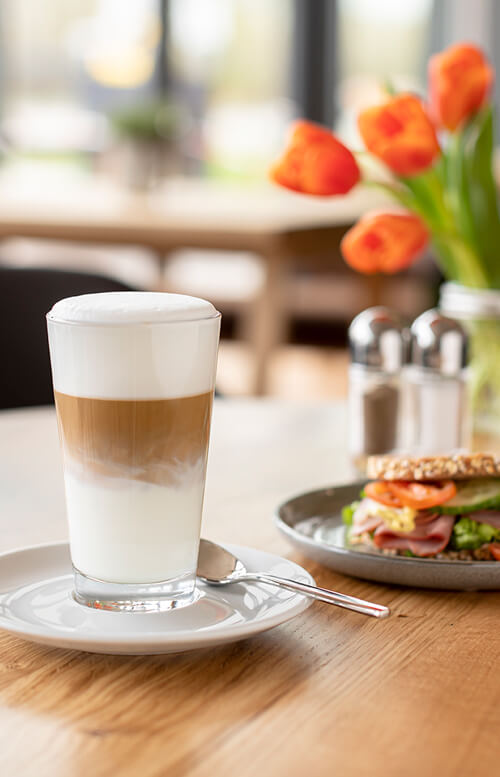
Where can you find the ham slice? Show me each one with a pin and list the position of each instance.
(362, 520)
(426, 539)
(425, 516)
(486, 516)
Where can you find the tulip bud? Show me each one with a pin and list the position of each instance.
(401, 134)
(460, 81)
(315, 162)
(384, 242)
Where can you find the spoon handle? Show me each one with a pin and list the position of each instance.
(323, 594)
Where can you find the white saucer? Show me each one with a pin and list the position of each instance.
(36, 604)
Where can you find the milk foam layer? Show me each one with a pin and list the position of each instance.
(127, 307)
(133, 345)
(133, 532)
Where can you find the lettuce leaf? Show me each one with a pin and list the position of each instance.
(469, 535)
(348, 512)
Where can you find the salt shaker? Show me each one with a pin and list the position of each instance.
(435, 386)
(378, 341)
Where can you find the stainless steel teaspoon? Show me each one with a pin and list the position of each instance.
(217, 566)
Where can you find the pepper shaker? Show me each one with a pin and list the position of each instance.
(378, 342)
(435, 386)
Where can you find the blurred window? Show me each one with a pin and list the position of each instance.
(379, 42)
(240, 68)
(67, 62)
(230, 60)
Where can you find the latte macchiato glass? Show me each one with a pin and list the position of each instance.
(134, 376)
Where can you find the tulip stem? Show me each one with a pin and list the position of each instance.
(458, 260)
(399, 193)
(425, 195)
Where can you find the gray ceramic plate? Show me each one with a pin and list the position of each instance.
(312, 523)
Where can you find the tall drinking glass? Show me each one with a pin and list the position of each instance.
(134, 376)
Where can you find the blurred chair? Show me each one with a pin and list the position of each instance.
(26, 295)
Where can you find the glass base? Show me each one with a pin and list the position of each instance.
(136, 597)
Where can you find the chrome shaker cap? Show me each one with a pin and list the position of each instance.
(438, 343)
(379, 337)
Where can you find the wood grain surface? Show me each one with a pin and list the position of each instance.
(330, 693)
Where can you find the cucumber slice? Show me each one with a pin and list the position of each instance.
(480, 494)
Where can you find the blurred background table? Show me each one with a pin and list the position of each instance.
(276, 253)
(331, 692)
(278, 228)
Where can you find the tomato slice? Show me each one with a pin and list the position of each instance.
(381, 492)
(495, 550)
(422, 496)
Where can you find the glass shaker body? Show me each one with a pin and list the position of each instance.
(374, 412)
(435, 386)
(435, 411)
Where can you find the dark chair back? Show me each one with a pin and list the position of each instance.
(26, 295)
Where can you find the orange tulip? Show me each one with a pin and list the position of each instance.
(460, 81)
(384, 242)
(315, 162)
(401, 134)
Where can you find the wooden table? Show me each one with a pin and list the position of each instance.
(274, 224)
(330, 693)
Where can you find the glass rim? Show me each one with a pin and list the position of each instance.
(458, 300)
(131, 324)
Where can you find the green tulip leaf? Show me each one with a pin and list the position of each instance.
(482, 191)
(472, 195)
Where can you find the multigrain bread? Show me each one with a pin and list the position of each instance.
(459, 466)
